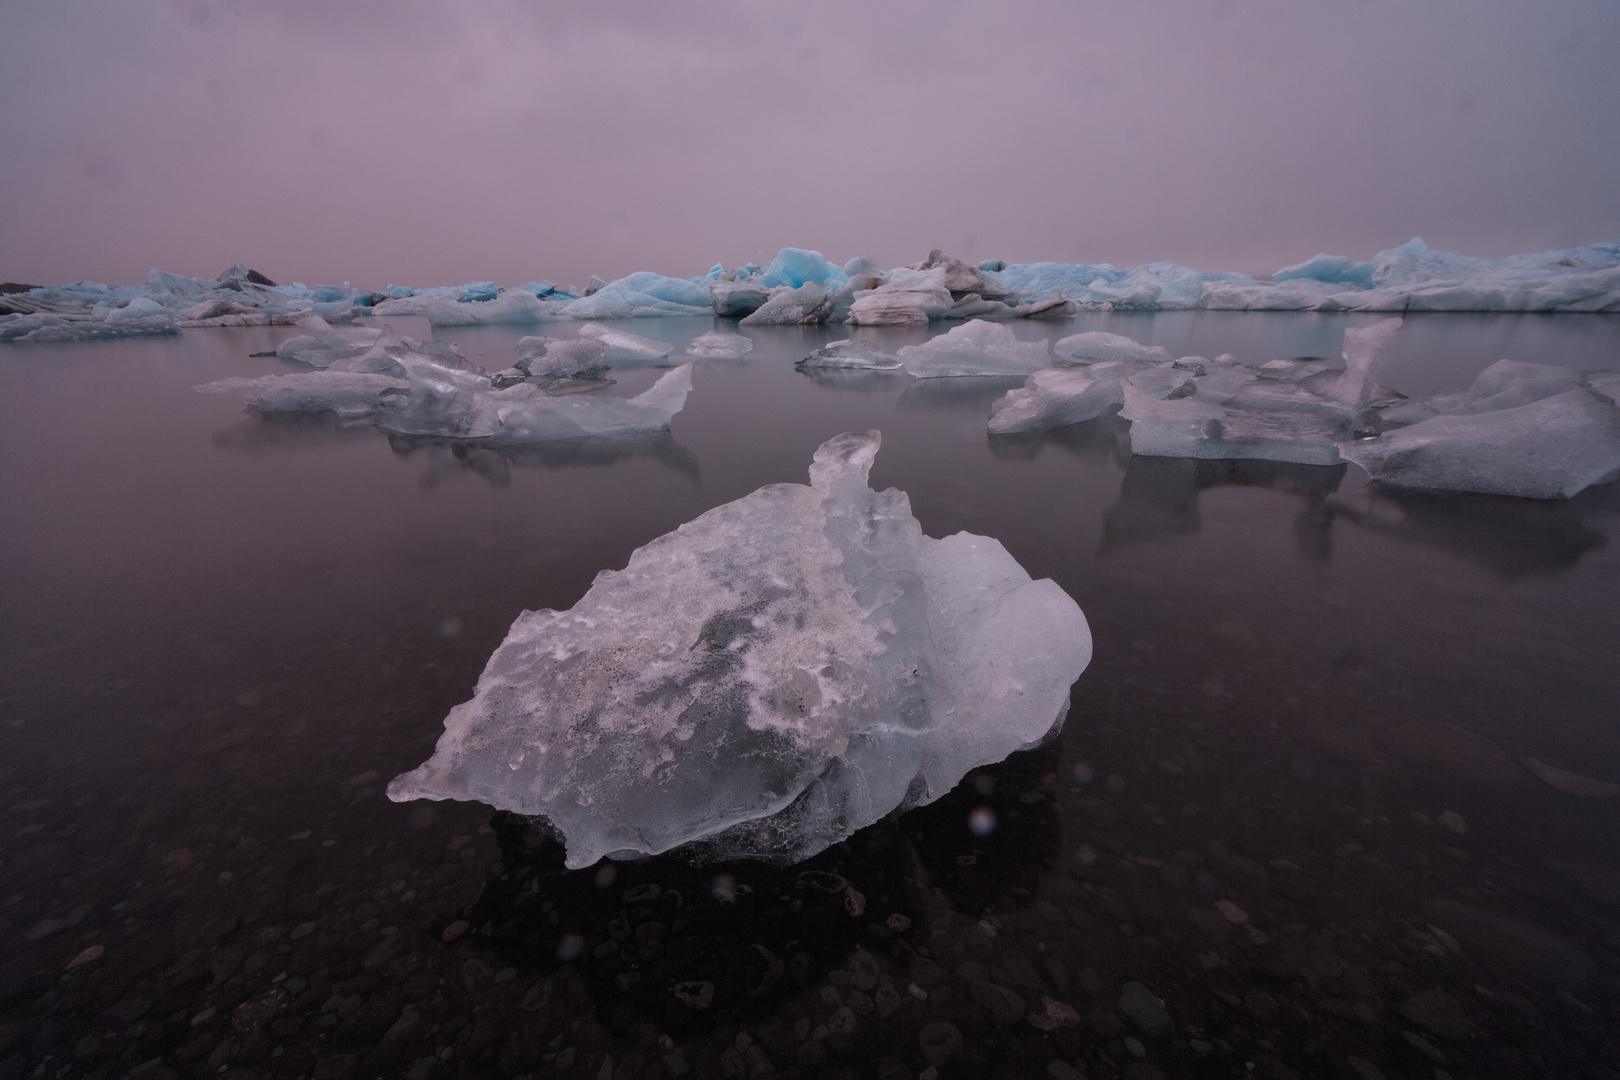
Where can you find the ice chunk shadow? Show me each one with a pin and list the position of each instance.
(1158, 498)
(742, 938)
(1098, 441)
(1508, 536)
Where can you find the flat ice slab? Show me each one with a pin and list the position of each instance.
(720, 345)
(765, 680)
(1550, 448)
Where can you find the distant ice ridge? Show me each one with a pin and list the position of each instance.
(765, 680)
(1415, 277)
(802, 286)
(410, 388)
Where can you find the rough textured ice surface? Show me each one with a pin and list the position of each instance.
(1551, 448)
(1098, 346)
(1221, 409)
(579, 357)
(792, 306)
(623, 345)
(765, 680)
(345, 393)
(906, 298)
(1056, 397)
(720, 345)
(734, 299)
(975, 348)
(851, 356)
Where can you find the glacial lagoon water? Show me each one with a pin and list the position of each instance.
(1288, 828)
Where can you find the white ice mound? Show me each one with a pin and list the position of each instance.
(849, 356)
(623, 345)
(975, 348)
(1551, 448)
(766, 679)
(1097, 346)
(720, 345)
(1059, 396)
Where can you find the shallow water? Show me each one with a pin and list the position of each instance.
(222, 635)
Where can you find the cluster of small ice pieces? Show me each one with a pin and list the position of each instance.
(1530, 430)
(765, 680)
(410, 388)
(803, 287)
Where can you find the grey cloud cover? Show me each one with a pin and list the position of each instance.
(428, 143)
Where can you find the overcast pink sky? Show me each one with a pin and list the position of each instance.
(423, 142)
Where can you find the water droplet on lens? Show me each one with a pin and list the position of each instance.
(982, 821)
(605, 875)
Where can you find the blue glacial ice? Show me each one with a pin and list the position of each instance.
(640, 295)
(794, 267)
(765, 680)
(1415, 277)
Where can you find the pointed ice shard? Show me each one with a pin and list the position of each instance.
(765, 680)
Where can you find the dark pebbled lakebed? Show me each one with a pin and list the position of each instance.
(1287, 830)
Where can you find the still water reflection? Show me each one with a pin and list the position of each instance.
(1290, 827)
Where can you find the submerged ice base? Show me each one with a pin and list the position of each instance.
(765, 680)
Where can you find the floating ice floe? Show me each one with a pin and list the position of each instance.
(1059, 396)
(793, 306)
(1097, 346)
(765, 680)
(346, 394)
(623, 345)
(976, 348)
(140, 318)
(1221, 409)
(324, 345)
(410, 388)
(720, 345)
(849, 356)
(1549, 448)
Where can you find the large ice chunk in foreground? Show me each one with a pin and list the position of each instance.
(765, 680)
(324, 344)
(975, 348)
(1551, 448)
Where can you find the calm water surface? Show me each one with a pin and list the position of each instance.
(1290, 801)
